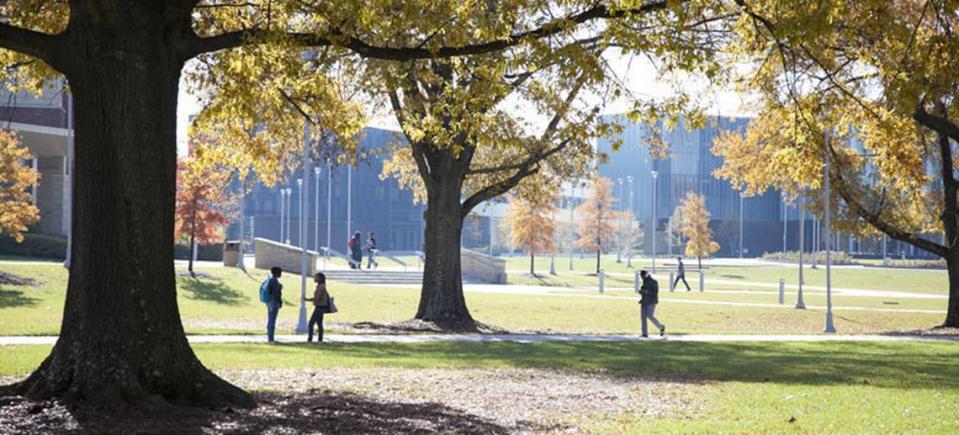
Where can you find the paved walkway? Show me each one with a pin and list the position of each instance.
(520, 338)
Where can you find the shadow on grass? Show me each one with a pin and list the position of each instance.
(15, 298)
(307, 412)
(212, 291)
(892, 365)
(729, 275)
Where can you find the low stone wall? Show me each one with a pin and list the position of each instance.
(288, 257)
(483, 267)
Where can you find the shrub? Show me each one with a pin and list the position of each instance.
(35, 245)
(203, 252)
(839, 258)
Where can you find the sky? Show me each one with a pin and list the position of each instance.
(638, 74)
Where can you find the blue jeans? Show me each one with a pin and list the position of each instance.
(272, 310)
(648, 312)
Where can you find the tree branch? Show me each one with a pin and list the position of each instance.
(939, 124)
(360, 47)
(29, 42)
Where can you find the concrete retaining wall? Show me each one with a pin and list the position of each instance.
(483, 267)
(270, 253)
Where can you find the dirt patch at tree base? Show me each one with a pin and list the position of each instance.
(7, 278)
(937, 331)
(420, 326)
(387, 400)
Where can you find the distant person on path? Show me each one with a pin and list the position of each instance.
(370, 248)
(650, 293)
(356, 251)
(275, 291)
(321, 304)
(681, 274)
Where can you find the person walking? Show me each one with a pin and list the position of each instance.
(370, 248)
(356, 251)
(321, 305)
(650, 293)
(681, 274)
(274, 290)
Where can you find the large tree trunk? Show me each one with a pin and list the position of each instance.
(121, 341)
(952, 313)
(441, 299)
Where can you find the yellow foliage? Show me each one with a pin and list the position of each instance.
(532, 224)
(17, 208)
(596, 217)
(696, 227)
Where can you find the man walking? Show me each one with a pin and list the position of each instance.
(650, 293)
(681, 274)
(275, 290)
(370, 248)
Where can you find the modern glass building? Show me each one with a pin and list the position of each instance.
(689, 168)
(374, 205)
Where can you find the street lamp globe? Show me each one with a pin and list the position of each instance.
(655, 174)
(299, 182)
(316, 170)
(629, 178)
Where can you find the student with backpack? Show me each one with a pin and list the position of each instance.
(321, 305)
(356, 251)
(271, 294)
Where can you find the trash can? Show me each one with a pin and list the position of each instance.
(231, 253)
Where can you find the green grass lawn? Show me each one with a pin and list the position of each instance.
(224, 300)
(848, 387)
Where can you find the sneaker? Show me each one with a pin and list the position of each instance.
(644, 336)
(662, 331)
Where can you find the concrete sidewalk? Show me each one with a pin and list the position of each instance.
(520, 338)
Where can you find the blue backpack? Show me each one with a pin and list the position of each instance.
(265, 295)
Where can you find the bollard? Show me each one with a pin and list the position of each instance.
(636, 281)
(672, 281)
(702, 281)
(782, 291)
(602, 277)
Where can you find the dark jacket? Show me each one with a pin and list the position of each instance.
(650, 292)
(276, 291)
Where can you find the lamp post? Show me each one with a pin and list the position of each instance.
(316, 209)
(800, 304)
(655, 174)
(741, 200)
(785, 221)
(329, 209)
(304, 185)
(572, 210)
(830, 328)
(349, 201)
(282, 213)
(619, 223)
(629, 225)
(289, 208)
(68, 167)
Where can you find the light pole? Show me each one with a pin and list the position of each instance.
(572, 210)
(304, 185)
(282, 213)
(329, 209)
(349, 201)
(741, 200)
(299, 187)
(800, 304)
(785, 220)
(68, 167)
(289, 208)
(885, 257)
(316, 209)
(619, 223)
(655, 174)
(815, 242)
(239, 258)
(629, 225)
(830, 328)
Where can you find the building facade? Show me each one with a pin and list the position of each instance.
(41, 124)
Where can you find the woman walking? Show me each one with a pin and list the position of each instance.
(321, 305)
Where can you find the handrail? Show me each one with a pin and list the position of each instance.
(386, 255)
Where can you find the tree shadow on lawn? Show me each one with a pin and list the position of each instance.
(892, 365)
(15, 298)
(212, 291)
(277, 412)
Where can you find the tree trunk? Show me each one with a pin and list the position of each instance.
(699, 260)
(598, 254)
(192, 238)
(532, 262)
(952, 313)
(441, 298)
(121, 341)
